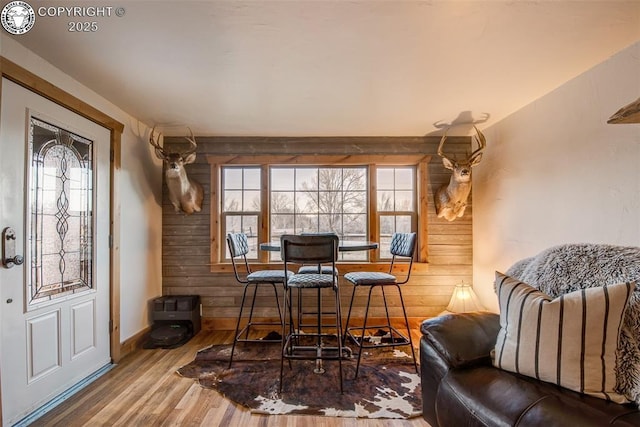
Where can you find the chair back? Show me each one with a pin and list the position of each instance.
(309, 249)
(403, 245)
(239, 247)
(238, 244)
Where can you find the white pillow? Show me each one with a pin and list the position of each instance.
(570, 341)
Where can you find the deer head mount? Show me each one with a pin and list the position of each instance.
(451, 199)
(185, 194)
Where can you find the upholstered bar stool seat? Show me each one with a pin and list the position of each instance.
(311, 280)
(269, 276)
(370, 278)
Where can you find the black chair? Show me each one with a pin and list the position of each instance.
(309, 269)
(238, 249)
(317, 250)
(402, 248)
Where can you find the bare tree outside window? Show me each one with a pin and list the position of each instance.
(338, 195)
(324, 199)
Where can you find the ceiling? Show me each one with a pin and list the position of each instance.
(331, 67)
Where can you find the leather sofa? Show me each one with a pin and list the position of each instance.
(460, 386)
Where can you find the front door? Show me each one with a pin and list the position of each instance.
(54, 208)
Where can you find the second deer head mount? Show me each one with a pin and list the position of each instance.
(185, 193)
(451, 199)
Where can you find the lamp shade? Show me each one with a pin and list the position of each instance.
(464, 299)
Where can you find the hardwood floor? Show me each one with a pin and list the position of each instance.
(144, 390)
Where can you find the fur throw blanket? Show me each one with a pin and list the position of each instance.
(567, 268)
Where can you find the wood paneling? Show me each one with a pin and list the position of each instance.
(186, 240)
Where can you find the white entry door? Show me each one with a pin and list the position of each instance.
(54, 198)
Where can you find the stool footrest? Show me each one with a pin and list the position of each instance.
(245, 331)
(310, 349)
(393, 337)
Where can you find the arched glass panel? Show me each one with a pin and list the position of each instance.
(60, 213)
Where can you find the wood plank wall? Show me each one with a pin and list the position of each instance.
(186, 239)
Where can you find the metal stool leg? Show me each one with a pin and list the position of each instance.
(235, 335)
(406, 321)
(364, 328)
(346, 326)
(339, 334)
(319, 368)
(275, 294)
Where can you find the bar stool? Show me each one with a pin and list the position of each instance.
(402, 245)
(317, 250)
(239, 248)
(309, 269)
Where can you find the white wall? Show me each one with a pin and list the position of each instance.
(140, 192)
(555, 172)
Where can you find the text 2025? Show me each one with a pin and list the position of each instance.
(83, 27)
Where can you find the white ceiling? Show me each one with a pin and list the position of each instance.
(331, 67)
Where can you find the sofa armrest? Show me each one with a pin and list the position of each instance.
(453, 341)
(463, 339)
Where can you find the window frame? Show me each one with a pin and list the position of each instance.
(413, 215)
(371, 161)
(239, 213)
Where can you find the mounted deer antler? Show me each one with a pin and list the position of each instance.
(185, 194)
(451, 199)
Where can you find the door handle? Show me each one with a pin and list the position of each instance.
(9, 257)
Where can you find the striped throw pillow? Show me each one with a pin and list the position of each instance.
(570, 341)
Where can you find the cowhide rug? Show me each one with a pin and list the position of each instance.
(387, 385)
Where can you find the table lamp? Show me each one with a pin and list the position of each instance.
(463, 300)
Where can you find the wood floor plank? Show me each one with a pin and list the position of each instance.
(145, 390)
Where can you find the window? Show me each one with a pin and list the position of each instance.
(395, 203)
(241, 205)
(319, 199)
(268, 196)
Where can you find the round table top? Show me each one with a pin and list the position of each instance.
(343, 246)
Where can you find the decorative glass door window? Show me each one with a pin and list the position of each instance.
(60, 172)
